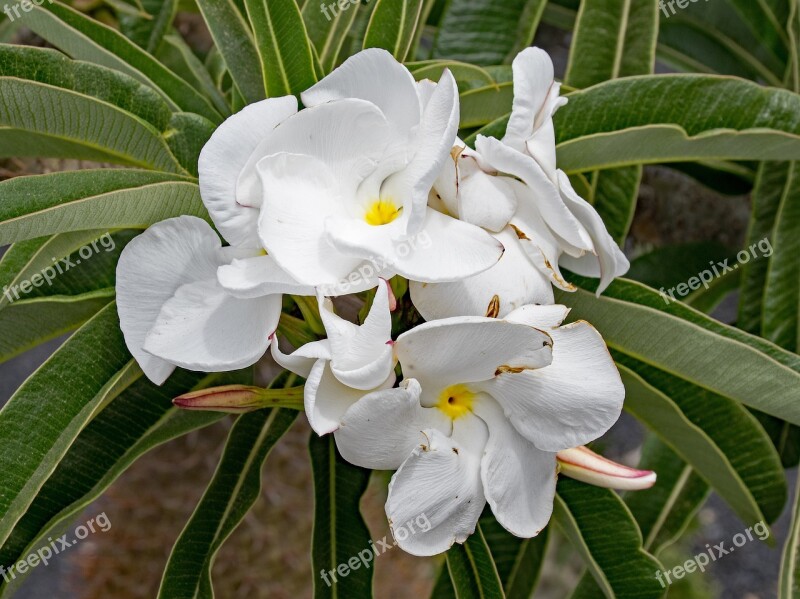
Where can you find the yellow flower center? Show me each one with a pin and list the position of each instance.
(382, 212)
(456, 401)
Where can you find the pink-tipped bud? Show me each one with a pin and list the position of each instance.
(582, 464)
(240, 398)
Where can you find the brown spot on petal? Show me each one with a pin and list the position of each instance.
(520, 234)
(493, 310)
(455, 450)
(509, 370)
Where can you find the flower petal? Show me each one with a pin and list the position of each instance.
(514, 281)
(573, 401)
(375, 76)
(440, 484)
(258, 276)
(223, 158)
(204, 328)
(541, 317)
(519, 481)
(151, 268)
(445, 250)
(547, 198)
(300, 193)
(302, 360)
(609, 261)
(326, 399)
(468, 349)
(431, 145)
(361, 356)
(382, 428)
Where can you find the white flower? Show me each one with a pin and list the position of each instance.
(346, 181)
(483, 409)
(352, 361)
(173, 310)
(513, 186)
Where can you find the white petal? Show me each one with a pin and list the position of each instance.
(300, 193)
(519, 481)
(514, 280)
(326, 399)
(436, 497)
(445, 250)
(541, 317)
(204, 328)
(582, 464)
(151, 268)
(382, 428)
(431, 146)
(548, 200)
(302, 360)
(375, 76)
(258, 276)
(573, 401)
(536, 99)
(609, 261)
(536, 238)
(484, 200)
(223, 158)
(361, 356)
(468, 349)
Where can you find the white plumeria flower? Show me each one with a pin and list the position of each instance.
(484, 407)
(513, 186)
(174, 312)
(352, 361)
(345, 181)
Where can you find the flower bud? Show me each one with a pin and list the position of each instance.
(586, 466)
(240, 398)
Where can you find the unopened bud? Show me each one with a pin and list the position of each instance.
(240, 398)
(582, 464)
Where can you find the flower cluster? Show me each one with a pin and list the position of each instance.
(495, 394)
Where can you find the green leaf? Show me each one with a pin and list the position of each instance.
(603, 531)
(177, 56)
(472, 570)
(781, 307)
(140, 419)
(770, 187)
(235, 42)
(49, 288)
(665, 510)
(483, 105)
(93, 199)
(284, 49)
(789, 579)
(519, 561)
(340, 533)
(328, 32)
(627, 121)
(186, 136)
(91, 368)
(393, 25)
(484, 32)
(232, 492)
(467, 76)
(28, 106)
(681, 341)
(50, 67)
(84, 38)
(767, 19)
(148, 29)
(717, 437)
